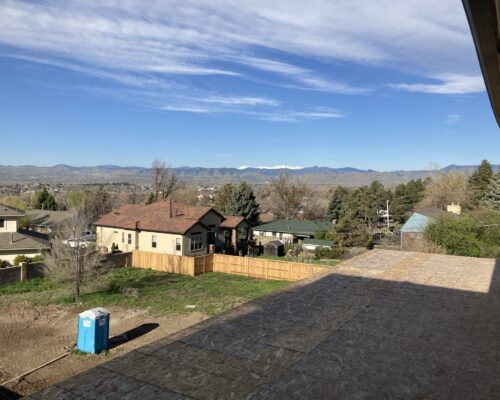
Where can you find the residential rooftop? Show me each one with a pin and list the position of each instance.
(166, 216)
(295, 226)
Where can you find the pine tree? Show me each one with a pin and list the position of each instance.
(477, 184)
(43, 200)
(243, 202)
(223, 197)
(335, 205)
(491, 198)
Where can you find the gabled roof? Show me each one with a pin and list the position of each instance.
(232, 221)
(296, 227)
(416, 223)
(48, 218)
(163, 216)
(20, 241)
(6, 211)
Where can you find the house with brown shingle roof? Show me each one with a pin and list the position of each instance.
(166, 226)
(15, 241)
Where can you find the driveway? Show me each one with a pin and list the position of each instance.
(384, 325)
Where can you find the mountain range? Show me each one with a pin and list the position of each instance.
(202, 176)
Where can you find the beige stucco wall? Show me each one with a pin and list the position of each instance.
(165, 242)
(11, 224)
(105, 237)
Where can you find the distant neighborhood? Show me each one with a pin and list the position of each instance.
(242, 220)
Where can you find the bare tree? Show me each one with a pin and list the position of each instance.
(443, 190)
(77, 262)
(286, 196)
(165, 180)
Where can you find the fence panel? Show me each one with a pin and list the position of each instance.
(246, 266)
(266, 269)
(164, 262)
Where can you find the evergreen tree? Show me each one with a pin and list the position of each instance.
(335, 205)
(406, 196)
(477, 184)
(491, 198)
(243, 202)
(43, 200)
(223, 197)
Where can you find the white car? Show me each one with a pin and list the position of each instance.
(73, 243)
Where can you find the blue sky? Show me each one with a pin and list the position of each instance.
(384, 85)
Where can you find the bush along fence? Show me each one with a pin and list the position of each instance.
(246, 266)
(30, 270)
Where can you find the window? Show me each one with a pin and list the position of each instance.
(129, 238)
(2, 223)
(153, 241)
(178, 246)
(123, 237)
(196, 241)
(274, 233)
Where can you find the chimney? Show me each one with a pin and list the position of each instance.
(170, 206)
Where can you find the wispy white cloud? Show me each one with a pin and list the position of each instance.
(240, 101)
(188, 109)
(453, 119)
(168, 47)
(447, 84)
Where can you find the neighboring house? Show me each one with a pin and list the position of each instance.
(290, 231)
(15, 241)
(45, 221)
(312, 244)
(412, 232)
(236, 232)
(164, 227)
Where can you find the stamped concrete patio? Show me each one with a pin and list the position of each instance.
(385, 325)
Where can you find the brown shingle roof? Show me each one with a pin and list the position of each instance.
(21, 242)
(232, 221)
(163, 216)
(6, 211)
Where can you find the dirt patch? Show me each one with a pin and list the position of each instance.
(31, 336)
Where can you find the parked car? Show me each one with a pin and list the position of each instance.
(74, 242)
(88, 235)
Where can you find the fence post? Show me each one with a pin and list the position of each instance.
(267, 268)
(24, 271)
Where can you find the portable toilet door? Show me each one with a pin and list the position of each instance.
(93, 330)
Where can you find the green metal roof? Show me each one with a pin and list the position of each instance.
(296, 227)
(318, 242)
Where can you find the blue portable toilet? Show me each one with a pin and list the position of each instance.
(93, 330)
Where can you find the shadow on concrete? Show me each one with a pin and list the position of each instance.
(132, 334)
(7, 394)
(339, 336)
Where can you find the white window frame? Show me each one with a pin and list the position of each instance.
(129, 238)
(196, 241)
(154, 241)
(178, 244)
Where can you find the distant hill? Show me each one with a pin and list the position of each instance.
(214, 176)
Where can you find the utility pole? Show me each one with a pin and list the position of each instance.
(387, 214)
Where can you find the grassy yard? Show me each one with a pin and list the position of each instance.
(328, 263)
(161, 293)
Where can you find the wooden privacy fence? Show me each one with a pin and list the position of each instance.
(246, 266)
(164, 262)
(266, 269)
